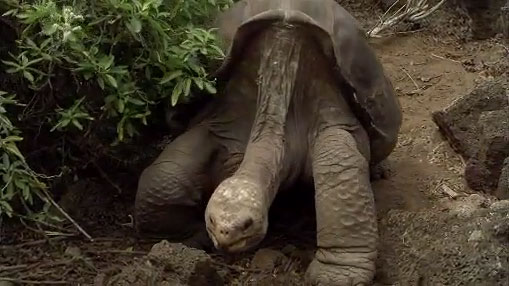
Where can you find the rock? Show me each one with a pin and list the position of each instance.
(485, 16)
(483, 170)
(431, 247)
(267, 259)
(504, 20)
(503, 181)
(465, 207)
(169, 264)
(476, 127)
(500, 205)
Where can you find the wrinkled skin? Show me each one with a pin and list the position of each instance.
(282, 116)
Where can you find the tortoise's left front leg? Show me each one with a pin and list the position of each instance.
(345, 213)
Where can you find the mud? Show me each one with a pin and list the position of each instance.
(433, 231)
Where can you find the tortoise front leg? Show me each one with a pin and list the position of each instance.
(172, 191)
(345, 213)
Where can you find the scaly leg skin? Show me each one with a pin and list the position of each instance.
(346, 221)
(171, 191)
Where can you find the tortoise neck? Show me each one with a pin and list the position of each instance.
(279, 49)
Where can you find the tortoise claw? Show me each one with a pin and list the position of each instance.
(321, 274)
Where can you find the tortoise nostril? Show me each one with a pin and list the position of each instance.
(247, 224)
(224, 232)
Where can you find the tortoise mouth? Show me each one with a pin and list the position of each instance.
(241, 244)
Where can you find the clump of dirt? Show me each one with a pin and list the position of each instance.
(167, 264)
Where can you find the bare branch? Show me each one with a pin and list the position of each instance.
(412, 10)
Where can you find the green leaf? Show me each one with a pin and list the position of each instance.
(177, 90)
(5, 161)
(12, 139)
(134, 25)
(13, 149)
(111, 80)
(100, 81)
(199, 82)
(210, 88)
(171, 76)
(77, 124)
(10, 12)
(135, 101)
(106, 61)
(187, 86)
(6, 208)
(19, 184)
(120, 105)
(13, 64)
(50, 29)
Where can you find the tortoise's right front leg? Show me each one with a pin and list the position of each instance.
(171, 195)
(345, 212)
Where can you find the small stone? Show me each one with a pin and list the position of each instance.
(73, 251)
(267, 259)
(476, 236)
(305, 256)
(500, 205)
(465, 207)
(287, 250)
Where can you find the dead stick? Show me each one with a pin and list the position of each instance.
(409, 76)
(444, 58)
(107, 178)
(32, 243)
(13, 267)
(68, 217)
(14, 280)
(132, 252)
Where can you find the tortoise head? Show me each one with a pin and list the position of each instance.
(236, 216)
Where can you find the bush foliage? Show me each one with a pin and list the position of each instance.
(130, 56)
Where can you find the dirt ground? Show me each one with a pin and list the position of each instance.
(429, 69)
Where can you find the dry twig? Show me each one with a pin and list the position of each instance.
(68, 216)
(444, 58)
(106, 177)
(13, 267)
(21, 281)
(412, 10)
(32, 243)
(411, 78)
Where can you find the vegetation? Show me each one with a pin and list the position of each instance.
(90, 66)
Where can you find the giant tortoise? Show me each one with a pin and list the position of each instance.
(305, 98)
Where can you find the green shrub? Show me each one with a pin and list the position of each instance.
(19, 179)
(139, 54)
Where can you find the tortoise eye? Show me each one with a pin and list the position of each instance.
(211, 220)
(247, 224)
